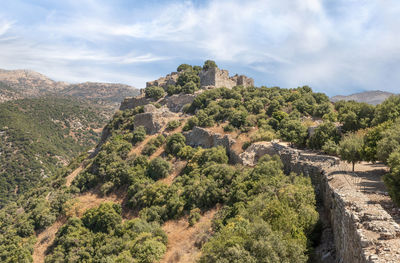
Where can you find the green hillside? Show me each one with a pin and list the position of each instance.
(39, 135)
(122, 202)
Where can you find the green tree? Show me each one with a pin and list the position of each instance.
(209, 64)
(392, 179)
(351, 148)
(189, 88)
(139, 134)
(103, 218)
(154, 92)
(325, 132)
(158, 168)
(389, 143)
(184, 67)
(293, 131)
(175, 143)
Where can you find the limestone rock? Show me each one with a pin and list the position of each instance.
(207, 139)
(175, 103)
(154, 119)
(133, 102)
(169, 79)
(255, 151)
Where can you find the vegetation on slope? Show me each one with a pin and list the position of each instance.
(266, 216)
(37, 136)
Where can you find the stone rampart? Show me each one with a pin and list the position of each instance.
(362, 232)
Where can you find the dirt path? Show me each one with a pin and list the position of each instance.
(72, 176)
(182, 239)
(367, 179)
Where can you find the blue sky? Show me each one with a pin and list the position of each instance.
(334, 46)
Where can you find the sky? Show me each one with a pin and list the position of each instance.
(334, 46)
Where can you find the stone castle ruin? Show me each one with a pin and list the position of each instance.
(211, 78)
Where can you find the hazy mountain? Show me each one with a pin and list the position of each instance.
(19, 84)
(371, 97)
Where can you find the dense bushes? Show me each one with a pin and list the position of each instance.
(261, 225)
(154, 92)
(158, 168)
(86, 240)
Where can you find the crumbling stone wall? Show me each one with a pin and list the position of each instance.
(362, 232)
(218, 78)
(133, 102)
(204, 138)
(169, 79)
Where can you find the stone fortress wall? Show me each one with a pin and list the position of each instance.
(362, 232)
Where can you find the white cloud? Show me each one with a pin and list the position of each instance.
(346, 44)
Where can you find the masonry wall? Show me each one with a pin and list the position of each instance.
(362, 232)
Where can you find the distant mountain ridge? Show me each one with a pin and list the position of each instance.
(20, 84)
(371, 97)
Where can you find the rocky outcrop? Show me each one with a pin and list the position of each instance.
(204, 138)
(133, 102)
(175, 103)
(153, 119)
(215, 77)
(254, 152)
(169, 79)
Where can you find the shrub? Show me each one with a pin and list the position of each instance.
(175, 143)
(209, 64)
(325, 132)
(186, 77)
(148, 249)
(106, 188)
(173, 89)
(152, 146)
(194, 216)
(189, 88)
(193, 121)
(392, 179)
(184, 67)
(103, 218)
(229, 128)
(158, 168)
(172, 125)
(263, 135)
(139, 134)
(154, 92)
(330, 147)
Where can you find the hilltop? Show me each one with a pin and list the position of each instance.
(204, 167)
(371, 97)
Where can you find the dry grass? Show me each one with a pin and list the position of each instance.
(183, 241)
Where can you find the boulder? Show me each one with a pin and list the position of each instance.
(133, 102)
(255, 151)
(154, 119)
(204, 138)
(176, 102)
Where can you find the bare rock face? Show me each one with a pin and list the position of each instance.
(220, 78)
(133, 102)
(169, 79)
(207, 139)
(254, 152)
(175, 103)
(153, 119)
